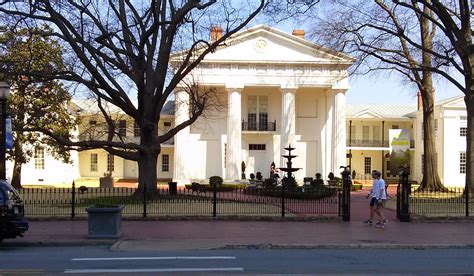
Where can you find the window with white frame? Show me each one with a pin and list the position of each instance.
(165, 163)
(252, 113)
(463, 126)
(263, 112)
(376, 133)
(257, 112)
(136, 130)
(367, 165)
(110, 163)
(353, 133)
(462, 162)
(94, 162)
(39, 158)
(225, 155)
(365, 133)
(122, 128)
(257, 147)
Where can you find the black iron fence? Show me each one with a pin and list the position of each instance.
(451, 203)
(68, 202)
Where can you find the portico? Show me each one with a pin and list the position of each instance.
(279, 89)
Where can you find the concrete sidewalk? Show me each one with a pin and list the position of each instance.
(179, 235)
(204, 234)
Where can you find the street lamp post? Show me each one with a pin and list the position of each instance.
(4, 93)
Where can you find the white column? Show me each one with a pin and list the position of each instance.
(326, 136)
(339, 130)
(234, 135)
(288, 121)
(181, 139)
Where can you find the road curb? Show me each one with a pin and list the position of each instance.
(348, 246)
(7, 244)
(115, 244)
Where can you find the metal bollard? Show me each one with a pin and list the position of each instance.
(346, 193)
(405, 196)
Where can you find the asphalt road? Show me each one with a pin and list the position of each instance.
(100, 260)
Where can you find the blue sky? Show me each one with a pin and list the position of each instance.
(392, 90)
(378, 88)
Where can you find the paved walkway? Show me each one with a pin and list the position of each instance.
(200, 234)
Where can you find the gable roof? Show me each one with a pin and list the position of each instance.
(453, 101)
(293, 43)
(376, 111)
(90, 106)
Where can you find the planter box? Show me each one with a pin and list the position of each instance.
(105, 222)
(106, 182)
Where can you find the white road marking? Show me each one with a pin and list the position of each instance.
(158, 258)
(200, 269)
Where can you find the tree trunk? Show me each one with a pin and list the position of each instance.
(16, 177)
(468, 62)
(431, 180)
(147, 162)
(147, 175)
(469, 100)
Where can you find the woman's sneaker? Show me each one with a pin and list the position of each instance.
(380, 225)
(385, 221)
(369, 222)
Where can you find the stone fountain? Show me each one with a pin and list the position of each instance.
(289, 169)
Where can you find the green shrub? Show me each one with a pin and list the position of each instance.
(215, 181)
(222, 188)
(356, 187)
(268, 183)
(290, 183)
(296, 193)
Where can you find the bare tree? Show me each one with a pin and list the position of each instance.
(454, 19)
(371, 31)
(118, 49)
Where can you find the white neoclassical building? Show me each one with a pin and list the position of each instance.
(278, 89)
(450, 124)
(275, 89)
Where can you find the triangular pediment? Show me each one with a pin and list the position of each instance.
(366, 114)
(456, 102)
(263, 44)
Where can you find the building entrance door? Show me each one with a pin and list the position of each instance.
(258, 160)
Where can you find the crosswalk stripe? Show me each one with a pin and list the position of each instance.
(199, 269)
(158, 258)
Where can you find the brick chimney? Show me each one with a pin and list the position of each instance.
(420, 101)
(216, 33)
(298, 33)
